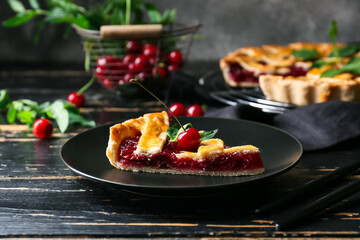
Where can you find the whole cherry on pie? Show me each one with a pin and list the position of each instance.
(189, 139)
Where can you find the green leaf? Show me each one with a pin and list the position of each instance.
(77, 119)
(27, 117)
(60, 114)
(347, 51)
(4, 99)
(19, 19)
(172, 132)
(34, 4)
(332, 34)
(208, 134)
(333, 30)
(16, 6)
(11, 114)
(306, 54)
(352, 66)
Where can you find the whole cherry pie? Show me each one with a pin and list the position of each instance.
(142, 144)
(299, 73)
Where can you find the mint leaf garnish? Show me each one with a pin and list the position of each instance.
(332, 34)
(174, 131)
(208, 134)
(347, 51)
(306, 54)
(353, 66)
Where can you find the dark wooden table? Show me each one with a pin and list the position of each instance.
(41, 197)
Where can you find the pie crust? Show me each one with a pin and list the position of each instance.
(273, 66)
(141, 145)
(268, 59)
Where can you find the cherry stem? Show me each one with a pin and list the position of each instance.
(177, 120)
(86, 86)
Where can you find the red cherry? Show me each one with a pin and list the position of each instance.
(128, 59)
(128, 77)
(42, 128)
(77, 99)
(141, 63)
(178, 109)
(190, 139)
(100, 73)
(149, 50)
(152, 60)
(143, 75)
(108, 62)
(173, 67)
(108, 83)
(133, 47)
(175, 57)
(149, 45)
(161, 71)
(195, 111)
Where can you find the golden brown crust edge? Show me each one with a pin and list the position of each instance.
(302, 92)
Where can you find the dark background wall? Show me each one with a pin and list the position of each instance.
(227, 25)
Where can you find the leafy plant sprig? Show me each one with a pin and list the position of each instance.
(111, 12)
(27, 111)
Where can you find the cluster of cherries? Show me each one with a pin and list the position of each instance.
(141, 61)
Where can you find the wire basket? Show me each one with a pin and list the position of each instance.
(144, 52)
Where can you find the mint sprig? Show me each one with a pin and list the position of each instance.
(27, 111)
(306, 54)
(333, 34)
(174, 131)
(352, 66)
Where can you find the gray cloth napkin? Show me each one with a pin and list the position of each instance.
(317, 126)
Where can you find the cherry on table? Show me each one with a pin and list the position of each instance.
(195, 110)
(77, 99)
(175, 57)
(42, 128)
(189, 139)
(178, 109)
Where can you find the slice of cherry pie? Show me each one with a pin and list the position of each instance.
(142, 145)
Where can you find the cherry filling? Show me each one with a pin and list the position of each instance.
(168, 159)
(239, 74)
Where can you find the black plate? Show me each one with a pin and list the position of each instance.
(85, 155)
(214, 83)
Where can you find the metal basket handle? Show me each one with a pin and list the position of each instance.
(117, 32)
